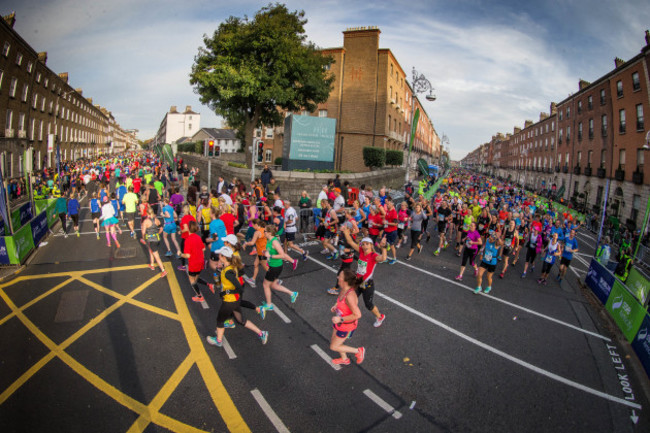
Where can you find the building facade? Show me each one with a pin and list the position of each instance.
(594, 136)
(225, 139)
(176, 125)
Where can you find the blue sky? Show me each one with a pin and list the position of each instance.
(493, 64)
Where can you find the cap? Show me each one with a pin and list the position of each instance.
(231, 239)
(366, 240)
(224, 251)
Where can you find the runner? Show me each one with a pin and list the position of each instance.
(473, 242)
(274, 255)
(534, 245)
(291, 218)
(130, 201)
(109, 221)
(489, 263)
(552, 252)
(169, 216)
(95, 212)
(259, 241)
(151, 230)
(186, 218)
(390, 228)
(510, 239)
(417, 219)
(444, 221)
(347, 315)
(73, 211)
(193, 251)
(570, 247)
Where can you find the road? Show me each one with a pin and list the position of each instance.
(92, 340)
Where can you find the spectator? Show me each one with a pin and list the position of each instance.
(266, 177)
(322, 197)
(304, 204)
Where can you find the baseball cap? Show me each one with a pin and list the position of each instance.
(225, 251)
(231, 239)
(366, 240)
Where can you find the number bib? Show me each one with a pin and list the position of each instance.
(361, 267)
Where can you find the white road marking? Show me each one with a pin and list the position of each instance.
(269, 412)
(283, 316)
(228, 349)
(502, 354)
(382, 404)
(325, 356)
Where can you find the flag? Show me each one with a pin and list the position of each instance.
(168, 154)
(414, 127)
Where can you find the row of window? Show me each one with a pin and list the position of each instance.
(544, 162)
(640, 125)
(66, 133)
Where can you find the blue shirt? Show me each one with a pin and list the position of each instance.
(559, 231)
(121, 192)
(115, 206)
(170, 210)
(219, 228)
(73, 206)
(569, 243)
(61, 205)
(490, 254)
(94, 205)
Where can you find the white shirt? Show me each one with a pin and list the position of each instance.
(220, 186)
(290, 218)
(321, 196)
(227, 198)
(107, 211)
(339, 202)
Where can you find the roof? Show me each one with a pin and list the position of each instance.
(220, 134)
(184, 140)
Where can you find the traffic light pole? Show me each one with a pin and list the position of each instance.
(253, 159)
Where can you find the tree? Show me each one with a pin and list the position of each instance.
(251, 70)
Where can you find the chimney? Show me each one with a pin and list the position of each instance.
(583, 84)
(42, 57)
(10, 19)
(79, 91)
(517, 130)
(188, 108)
(528, 123)
(173, 109)
(647, 37)
(64, 76)
(553, 108)
(618, 61)
(90, 101)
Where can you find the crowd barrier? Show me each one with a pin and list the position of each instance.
(626, 303)
(14, 249)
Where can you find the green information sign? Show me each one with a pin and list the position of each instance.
(312, 138)
(638, 285)
(626, 311)
(20, 244)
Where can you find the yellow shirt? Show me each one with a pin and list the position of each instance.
(227, 285)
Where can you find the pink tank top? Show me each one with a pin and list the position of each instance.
(342, 310)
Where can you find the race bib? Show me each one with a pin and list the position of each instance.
(549, 259)
(362, 266)
(487, 257)
(441, 217)
(400, 225)
(481, 226)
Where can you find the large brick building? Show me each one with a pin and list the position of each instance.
(36, 102)
(371, 101)
(593, 135)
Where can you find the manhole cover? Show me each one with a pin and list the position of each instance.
(125, 253)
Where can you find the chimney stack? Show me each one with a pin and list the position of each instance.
(42, 57)
(618, 61)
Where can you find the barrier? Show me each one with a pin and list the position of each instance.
(641, 343)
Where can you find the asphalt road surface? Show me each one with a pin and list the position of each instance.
(91, 340)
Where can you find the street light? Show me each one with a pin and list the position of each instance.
(420, 85)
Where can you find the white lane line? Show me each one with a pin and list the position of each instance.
(382, 404)
(320, 352)
(228, 349)
(502, 354)
(269, 412)
(591, 242)
(283, 316)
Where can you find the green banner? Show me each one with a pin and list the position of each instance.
(626, 310)
(638, 285)
(414, 127)
(168, 154)
(20, 244)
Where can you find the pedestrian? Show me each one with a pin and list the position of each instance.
(194, 252)
(570, 247)
(473, 242)
(274, 256)
(488, 263)
(73, 211)
(108, 222)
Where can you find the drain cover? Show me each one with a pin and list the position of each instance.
(125, 253)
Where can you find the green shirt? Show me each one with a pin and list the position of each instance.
(159, 187)
(130, 200)
(274, 263)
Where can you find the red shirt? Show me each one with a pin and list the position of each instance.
(391, 217)
(194, 247)
(185, 221)
(377, 221)
(229, 221)
(137, 183)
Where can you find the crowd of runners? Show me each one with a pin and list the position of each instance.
(209, 233)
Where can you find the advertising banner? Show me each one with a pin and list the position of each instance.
(312, 138)
(4, 254)
(626, 310)
(599, 280)
(39, 227)
(641, 343)
(52, 216)
(638, 285)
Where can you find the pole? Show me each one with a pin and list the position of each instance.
(209, 173)
(602, 218)
(411, 138)
(253, 159)
(645, 223)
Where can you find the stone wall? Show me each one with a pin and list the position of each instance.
(292, 183)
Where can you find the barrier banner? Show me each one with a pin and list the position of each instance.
(22, 215)
(4, 254)
(626, 310)
(641, 343)
(599, 280)
(638, 285)
(39, 227)
(52, 216)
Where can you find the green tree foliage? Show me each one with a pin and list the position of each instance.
(394, 157)
(251, 69)
(374, 157)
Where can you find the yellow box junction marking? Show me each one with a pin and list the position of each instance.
(147, 413)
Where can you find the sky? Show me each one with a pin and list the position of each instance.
(493, 64)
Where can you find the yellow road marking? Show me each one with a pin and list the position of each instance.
(35, 300)
(220, 396)
(134, 302)
(72, 274)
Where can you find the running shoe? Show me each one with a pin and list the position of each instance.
(379, 321)
(181, 268)
(523, 275)
(65, 235)
(336, 255)
(198, 298)
(325, 251)
(544, 282)
(305, 255)
(213, 341)
(333, 291)
(163, 274)
(539, 280)
(392, 261)
(264, 336)
(77, 232)
(211, 287)
(501, 275)
(457, 253)
(168, 254)
(97, 236)
(499, 258)
(487, 290)
(152, 267)
(330, 257)
(117, 244)
(436, 252)
(408, 258)
(294, 265)
(109, 244)
(360, 355)
(267, 307)
(262, 312)
(249, 280)
(459, 278)
(477, 290)
(446, 245)
(253, 252)
(341, 361)
(294, 296)
(419, 249)
(229, 324)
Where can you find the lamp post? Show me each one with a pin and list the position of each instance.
(420, 85)
(645, 147)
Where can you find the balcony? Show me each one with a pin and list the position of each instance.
(397, 137)
(621, 128)
(565, 169)
(576, 170)
(640, 125)
(587, 171)
(9, 133)
(601, 172)
(619, 175)
(549, 170)
(637, 177)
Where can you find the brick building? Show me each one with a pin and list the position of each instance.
(36, 102)
(593, 135)
(371, 101)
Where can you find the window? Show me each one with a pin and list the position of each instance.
(589, 157)
(636, 84)
(38, 77)
(640, 159)
(580, 131)
(391, 69)
(636, 206)
(30, 67)
(568, 134)
(619, 89)
(31, 129)
(621, 159)
(2, 73)
(603, 156)
(269, 132)
(602, 96)
(568, 112)
(21, 121)
(322, 113)
(46, 82)
(35, 101)
(560, 115)
(591, 128)
(560, 137)
(10, 119)
(19, 59)
(590, 102)
(269, 155)
(603, 120)
(621, 121)
(25, 91)
(639, 117)
(579, 158)
(12, 87)
(553, 126)
(189, 126)
(390, 121)
(5, 49)
(566, 161)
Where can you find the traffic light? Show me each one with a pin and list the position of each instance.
(260, 151)
(217, 151)
(210, 147)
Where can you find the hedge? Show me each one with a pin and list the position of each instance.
(394, 157)
(278, 160)
(374, 157)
